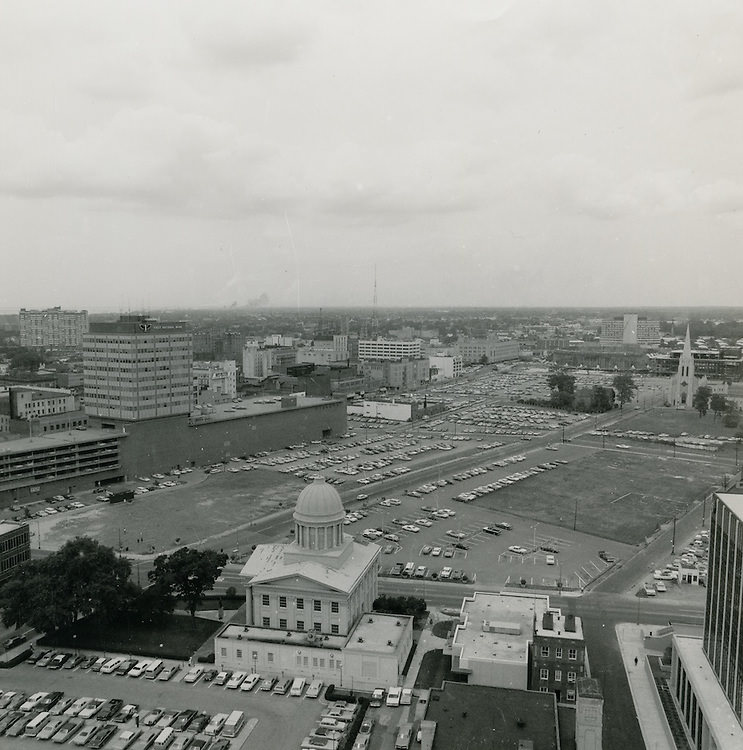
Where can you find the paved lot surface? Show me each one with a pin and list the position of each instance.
(282, 721)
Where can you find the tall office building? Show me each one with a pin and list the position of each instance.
(137, 368)
(630, 330)
(53, 328)
(386, 349)
(723, 622)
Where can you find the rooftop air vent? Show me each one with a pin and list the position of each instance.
(361, 640)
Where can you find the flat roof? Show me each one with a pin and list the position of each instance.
(719, 715)
(475, 716)
(254, 406)
(57, 439)
(288, 637)
(734, 502)
(497, 627)
(378, 632)
(559, 623)
(8, 526)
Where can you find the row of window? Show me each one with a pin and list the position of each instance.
(12, 560)
(544, 674)
(317, 661)
(19, 540)
(317, 626)
(570, 694)
(572, 652)
(299, 603)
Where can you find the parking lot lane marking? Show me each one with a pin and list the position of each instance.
(581, 583)
(595, 566)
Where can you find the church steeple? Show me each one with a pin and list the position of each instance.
(683, 383)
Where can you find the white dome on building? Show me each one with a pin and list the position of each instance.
(319, 503)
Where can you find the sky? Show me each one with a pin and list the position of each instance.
(525, 153)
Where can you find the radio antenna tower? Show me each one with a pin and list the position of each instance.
(374, 325)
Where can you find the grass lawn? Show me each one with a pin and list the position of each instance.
(178, 637)
(676, 421)
(434, 669)
(220, 509)
(444, 628)
(620, 496)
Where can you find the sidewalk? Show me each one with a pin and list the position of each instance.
(427, 642)
(650, 716)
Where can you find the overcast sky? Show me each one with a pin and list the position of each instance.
(478, 153)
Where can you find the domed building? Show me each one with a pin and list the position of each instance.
(309, 605)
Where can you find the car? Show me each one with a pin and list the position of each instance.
(648, 589)
(362, 496)
(491, 530)
(54, 724)
(436, 551)
(169, 672)
(377, 698)
(46, 659)
(250, 682)
(209, 675)
(236, 680)
(36, 656)
(426, 549)
(86, 732)
(606, 557)
(125, 739)
(102, 735)
(461, 545)
(199, 722)
(456, 534)
(16, 640)
(411, 527)
(126, 712)
(61, 706)
(268, 684)
(109, 709)
(660, 587)
(76, 706)
(150, 719)
(193, 674)
(50, 700)
(184, 719)
(517, 550)
(392, 537)
(125, 666)
(388, 549)
(550, 559)
(423, 522)
(74, 662)
(223, 677)
(551, 548)
(445, 573)
(449, 552)
(420, 571)
(396, 569)
(69, 729)
(504, 525)
(112, 665)
(91, 708)
(168, 716)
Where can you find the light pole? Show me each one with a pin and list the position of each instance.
(575, 513)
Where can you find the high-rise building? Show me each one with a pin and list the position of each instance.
(386, 349)
(53, 328)
(137, 368)
(707, 672)
(630, 330)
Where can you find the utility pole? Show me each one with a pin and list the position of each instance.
(673, 540)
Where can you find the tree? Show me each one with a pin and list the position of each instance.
(602, 399)
(188, 574)
(624, 388)
(562, 389)
(484, 360)
(718, 404)
(701, 400)
(82, 577)
(27, 360)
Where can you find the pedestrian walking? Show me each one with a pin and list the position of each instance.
(635, 661)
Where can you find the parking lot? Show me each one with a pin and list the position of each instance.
(272, 721)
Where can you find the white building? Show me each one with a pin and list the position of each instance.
(386, 349)
(53, 328)
(398, 411)
(30, 403)
(445, 366)
(630, 330)
(214, 380)
(309, 606)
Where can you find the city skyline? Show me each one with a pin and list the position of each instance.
(483, 154)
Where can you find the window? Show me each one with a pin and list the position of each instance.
(299, 660)
(544, 674)
(282, 623)
(239, 653)
(334, 608)
(300, 603)
(317, 626)
(270, 656)
(314, 661)
(544, 689)
(317, 605)
(223, 651)
(558, 652)
(571, 695)
(545, 650)
(282, 601)
(265, 600)
(334, 629)
(300, 624)
(266, 622)
(558, 675)
(572, 653)
(571, 676)
(322, 663)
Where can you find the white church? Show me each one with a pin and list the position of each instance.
(309, 606)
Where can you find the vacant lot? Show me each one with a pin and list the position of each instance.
(215, 509)
(621, 496)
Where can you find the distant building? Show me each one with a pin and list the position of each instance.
(491, 349)
(259, 361)
(214, 381)
(309, 606)
(28, 403)
(445, 366)
(137, 368)
(630, 330)
(53, 328)
(399, 375)
(707, 673)
(388, 350)
(15, 547)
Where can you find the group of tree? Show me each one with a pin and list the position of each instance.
(720, 406)
(85, 578)
(594, 400)
(400, 605)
